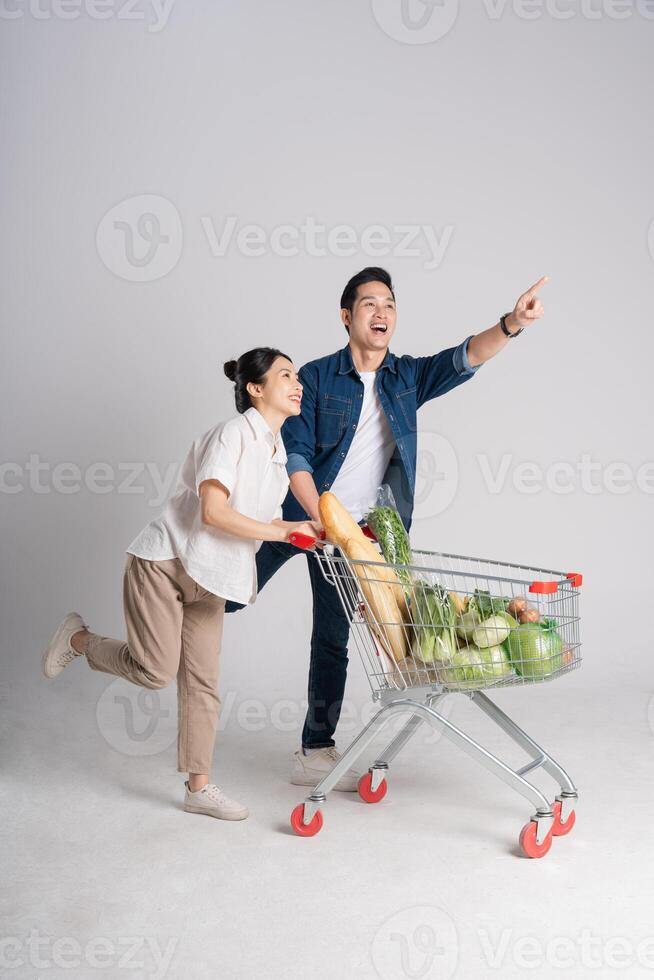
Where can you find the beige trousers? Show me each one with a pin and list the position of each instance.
(174, 629)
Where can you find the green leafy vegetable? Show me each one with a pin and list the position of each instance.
(387, 526)
(434, 617)
(486, 605)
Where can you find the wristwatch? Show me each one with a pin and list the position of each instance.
(505, 330)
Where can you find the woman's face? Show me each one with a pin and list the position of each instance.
(282, 390)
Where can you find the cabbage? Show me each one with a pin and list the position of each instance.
(474, 666)
(467, 624)
(491, 632)
(535, 649)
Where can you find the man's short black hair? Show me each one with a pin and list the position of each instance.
(370, 274)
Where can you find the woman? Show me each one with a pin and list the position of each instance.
(200, 552)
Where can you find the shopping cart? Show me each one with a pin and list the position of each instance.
(462, 625)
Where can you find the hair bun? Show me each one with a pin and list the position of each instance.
(229, 368)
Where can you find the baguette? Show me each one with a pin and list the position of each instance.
(341, 528)
(381, 602)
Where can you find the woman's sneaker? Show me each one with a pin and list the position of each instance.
(59, 652)
(212, 801)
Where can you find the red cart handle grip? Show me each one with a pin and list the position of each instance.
(304, 540)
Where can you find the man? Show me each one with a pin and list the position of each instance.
(357, 430)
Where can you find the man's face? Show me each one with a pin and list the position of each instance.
(372, 320)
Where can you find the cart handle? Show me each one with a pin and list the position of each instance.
(305, 540)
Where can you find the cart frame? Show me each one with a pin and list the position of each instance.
(419, 704)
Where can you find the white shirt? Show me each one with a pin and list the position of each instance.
(369, 454)
(246, 457)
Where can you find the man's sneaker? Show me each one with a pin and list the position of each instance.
(212, 801)
(309, 769)
(59, 652)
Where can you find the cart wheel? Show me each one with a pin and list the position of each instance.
(305, 829)
(528, 843)
(559, 829)
(367, 793)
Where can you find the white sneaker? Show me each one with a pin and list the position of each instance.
(212, 801)
(309, 769)
(59, 652)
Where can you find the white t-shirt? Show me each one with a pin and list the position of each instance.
(246, 457)
(369, 454)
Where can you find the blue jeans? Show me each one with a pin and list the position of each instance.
(331, 628)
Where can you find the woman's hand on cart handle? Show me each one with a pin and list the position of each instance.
(308, 534)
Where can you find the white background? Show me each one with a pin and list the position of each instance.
(521, 137)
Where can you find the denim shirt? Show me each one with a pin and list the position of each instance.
(318, 439)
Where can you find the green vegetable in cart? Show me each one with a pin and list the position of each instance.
(535, 649)
(486, 605)
(472, 665)
(491, 633)
(467, 624)
(434, 617)
(387, 526)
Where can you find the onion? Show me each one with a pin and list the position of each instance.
(516, 606)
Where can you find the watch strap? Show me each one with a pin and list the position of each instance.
(505, 330)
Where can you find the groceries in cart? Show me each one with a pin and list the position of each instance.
(439, 625)
(428, 624)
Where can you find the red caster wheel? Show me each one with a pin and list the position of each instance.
(366, 791)
(559, 829)
(305, 829)
(528, 843)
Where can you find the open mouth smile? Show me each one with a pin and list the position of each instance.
(378, 327)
